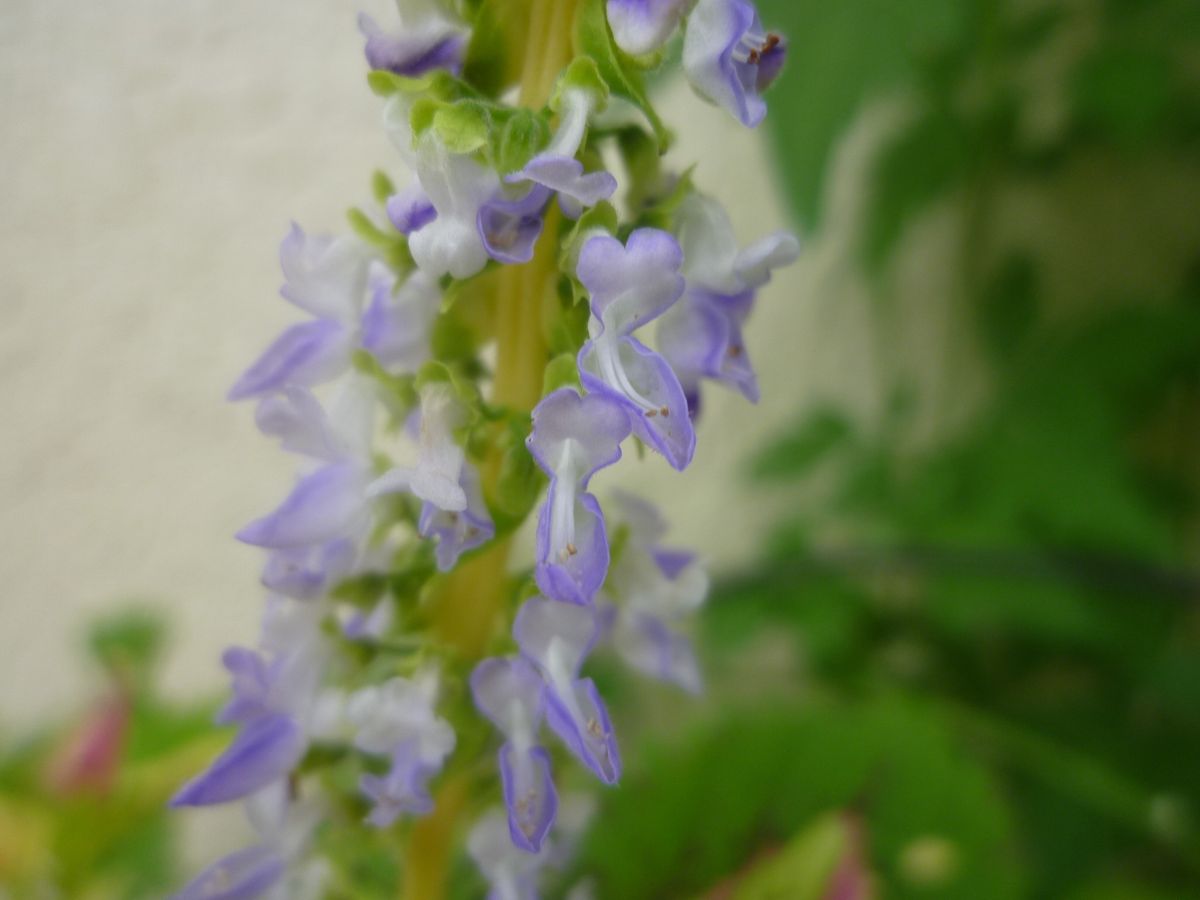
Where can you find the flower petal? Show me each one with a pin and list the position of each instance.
(243, 875)
(264, 750)
(508, 691)
(634, 283)
(509, 228)
(397, 324)
(555, 635)
(410, 209)
(308, 353)
(647, 644)
(590, 428)
(642, 26)
(580, 719)
(575, 572)
(529, 795)
(644, 383)
(327, 504)
(324, 276)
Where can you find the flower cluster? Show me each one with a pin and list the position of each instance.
(477, 339)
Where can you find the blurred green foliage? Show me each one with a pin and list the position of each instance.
(83, 803)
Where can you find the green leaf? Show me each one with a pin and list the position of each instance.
(791, 456)
(593, 39)
(463, 127)
(521, 137)
(128, 642)
(562, 371)
(841, 56)
(381, 186)
(917, 168)
(803, 868)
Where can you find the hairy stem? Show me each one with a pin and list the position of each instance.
(473, 597)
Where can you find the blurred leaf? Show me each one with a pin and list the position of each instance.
(803, 868)
(794, 453)
(701, 806)
(128, 643)
(1009, 305)
(841, 56)
(918, 167)
(1123, 92)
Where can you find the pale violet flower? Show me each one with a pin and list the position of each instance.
(404, 789)
(456, 186)
(333, 279)
(457, 532)
(327, 278)
(642, 26)
(275, 868)
(556, 167)
(272, 700)
(368, 626)
(631, 285)
(572, 438)
(510, 226)
(426, 38)
(730, 59)
(399, 710)
(701, 335)
(511, 872)
(652, 588)
(398, 719)
(556, 637)
(436, 476)
(329, 503)
(509, 692)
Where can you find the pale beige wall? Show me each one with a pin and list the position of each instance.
(151, 155)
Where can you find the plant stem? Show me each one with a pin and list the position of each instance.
(473, 596)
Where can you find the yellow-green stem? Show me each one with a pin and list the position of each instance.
(472, 598)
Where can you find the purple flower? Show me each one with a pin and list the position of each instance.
(556, 169)
(630, 286)
(509, 692)
(325, 505)
(331, 279)
(397, 324)
(654, 588)
(275, 864)
(701, 335)
(410, 210)
(401, 711)
(572, 438)
(242, 875)
(327, 278)
(309, 572)
(458, 532)
(403, 790)
(436, 476)
(509, 228)
(364, 626)
(642, 26)
(426, 40)
(264, 751)
(511, 871)
(457, 187)
(729, 58)
(556, 637)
